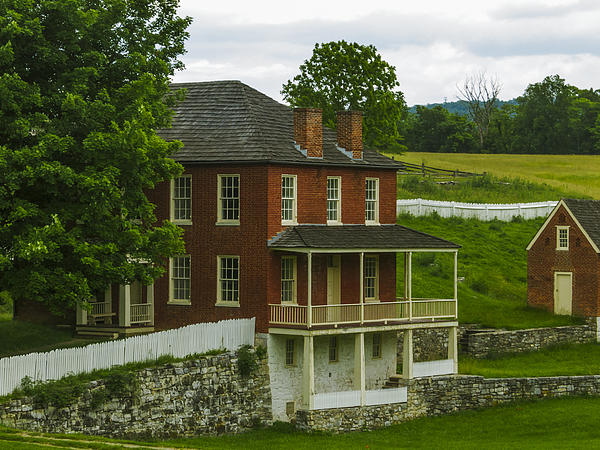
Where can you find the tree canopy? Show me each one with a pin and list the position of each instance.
(342, 75)
(83, 87)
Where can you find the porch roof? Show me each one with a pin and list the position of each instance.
(390, 237)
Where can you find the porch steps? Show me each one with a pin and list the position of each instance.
(98, 333)
(395, 381)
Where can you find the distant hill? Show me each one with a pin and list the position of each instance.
(459, 106)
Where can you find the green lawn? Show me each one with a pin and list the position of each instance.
(493, 262)
(576, 175)
(566, 359)
(556, 423)
(24, 337)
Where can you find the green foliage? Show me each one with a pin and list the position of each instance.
(482, 189)
(566, 359)
(83, 87)
(493, 263)
(247, 361)
(261, 352)
(342, 75)
(58, 393)
(437, 130)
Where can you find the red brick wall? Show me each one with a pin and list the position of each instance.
(543, 260)
(260, 219)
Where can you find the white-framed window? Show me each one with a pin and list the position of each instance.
(372, 200)
(228, 280)
(181, 279)
(288, 200)
(377, 339)
(181, 199)
(288, 279)
(334, 199)
(333, 348)
(562, 238)
(228, 202)
(371, 277)
(290, 352)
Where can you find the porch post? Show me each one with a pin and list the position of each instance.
(125, 305)
(456, 284)
(407, 355)
(308, 373)
(453, 348)
(81, 316)
(362, 287)
(309, 292)
(108, 301)
(409, 285)
(359, 367)
(150, 298)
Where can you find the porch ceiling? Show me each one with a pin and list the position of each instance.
(342, 238)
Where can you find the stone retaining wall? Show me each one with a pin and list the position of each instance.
(203, 396)
(432, 344)
(482, 344)
(442, 395)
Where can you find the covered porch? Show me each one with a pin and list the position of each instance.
(119, 310)
(371, 298)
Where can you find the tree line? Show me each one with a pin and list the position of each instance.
(551, 117)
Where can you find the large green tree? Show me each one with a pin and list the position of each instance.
(83, 87)
(342, 75)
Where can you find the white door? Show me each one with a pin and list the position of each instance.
(334, 283)
(563, 293)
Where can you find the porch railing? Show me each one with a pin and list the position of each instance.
(417, 309)
(141, 312)
(101, 309)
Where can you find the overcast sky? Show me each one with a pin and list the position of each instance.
(433, 44)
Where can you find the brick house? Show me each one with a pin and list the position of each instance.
(563, 260)
(293, 224)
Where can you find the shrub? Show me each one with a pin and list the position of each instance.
(247, 361)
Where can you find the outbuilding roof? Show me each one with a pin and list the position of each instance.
(586, 213)
(230, 122)
(358, 237)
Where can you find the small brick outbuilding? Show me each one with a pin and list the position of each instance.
(563, 260)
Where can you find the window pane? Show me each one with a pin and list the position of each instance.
(229, 279)
(370, 277)
(181, 277)
(288, 198)
(229, 197)
(287, 279)
(182, 198)
(371, 194)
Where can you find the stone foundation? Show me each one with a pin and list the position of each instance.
(443, 395)
(203, 396)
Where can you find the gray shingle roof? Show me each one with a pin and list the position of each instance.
(228, 121)
(357, 237)
(587, 213)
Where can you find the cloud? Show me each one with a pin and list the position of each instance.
(432, 52)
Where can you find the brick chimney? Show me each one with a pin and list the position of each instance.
(308, 131)
(349, 132)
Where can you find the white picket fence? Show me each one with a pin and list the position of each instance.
(481, 211)
(179, 342)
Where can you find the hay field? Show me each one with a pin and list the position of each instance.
(578, 174)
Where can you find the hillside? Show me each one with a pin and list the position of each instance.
(457, 107)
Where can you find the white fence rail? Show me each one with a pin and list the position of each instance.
(348, 399)
(180, 342)
(481, 211)
(433, 368)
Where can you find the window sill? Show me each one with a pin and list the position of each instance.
(289, 223)
(228, 304)
(294, 303)
(227, 223)
(372, 300)
(334, 222)
(562, 249)
(182, 222)
(180, 302)
(370, 222)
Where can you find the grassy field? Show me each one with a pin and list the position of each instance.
(556, 423)
(576, 175)
(486, 189)
(493, 262)
(567, 359)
